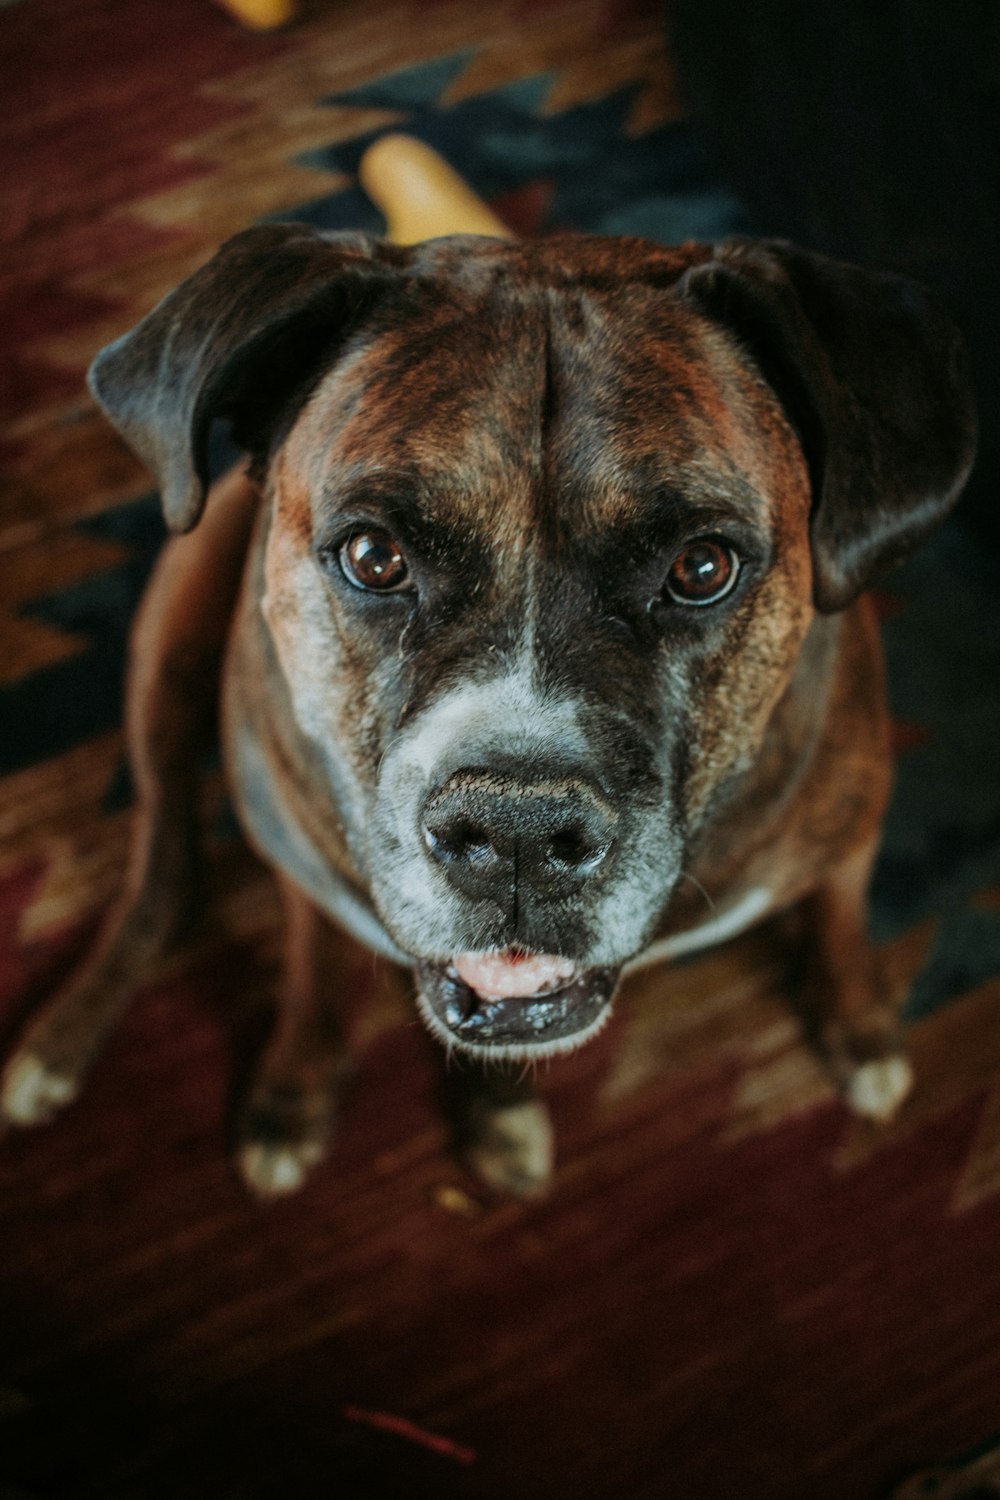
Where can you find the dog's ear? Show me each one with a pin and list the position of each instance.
(233, 341)
(874, 378)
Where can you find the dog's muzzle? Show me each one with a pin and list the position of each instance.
(516, 844)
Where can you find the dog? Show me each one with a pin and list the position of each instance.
(538, 607)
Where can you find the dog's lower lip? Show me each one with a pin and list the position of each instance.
(553, 1017)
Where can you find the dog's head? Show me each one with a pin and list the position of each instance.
(549, 526)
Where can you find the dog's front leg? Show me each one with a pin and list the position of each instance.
(288, 1122)
(503, 1131)
(857, 1017)
(171, 693)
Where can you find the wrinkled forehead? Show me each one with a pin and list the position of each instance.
(500, 407)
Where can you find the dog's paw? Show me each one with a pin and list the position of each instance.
(272, 1171)
(511, 1149)
(32, 1093)
(285, 1132)
(875, 1090)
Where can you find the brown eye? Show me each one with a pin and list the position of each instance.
(373, 560)
(703, 573)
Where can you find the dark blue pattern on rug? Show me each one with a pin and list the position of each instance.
(603, 181)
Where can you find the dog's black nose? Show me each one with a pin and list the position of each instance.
(494, 833)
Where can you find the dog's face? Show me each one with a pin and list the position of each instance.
(541, 557)
(543, 631)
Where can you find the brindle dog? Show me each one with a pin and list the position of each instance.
(541, 608)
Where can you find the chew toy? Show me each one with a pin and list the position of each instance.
(420, 195)
(260, 15)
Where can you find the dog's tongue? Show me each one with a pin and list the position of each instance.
(509, 975)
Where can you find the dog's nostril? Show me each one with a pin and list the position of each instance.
(567, 849)
(459, 839)
(575, 851)
(470, 841)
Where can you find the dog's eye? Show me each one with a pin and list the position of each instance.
(373, 560)
(703, 573)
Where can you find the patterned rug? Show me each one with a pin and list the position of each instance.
(734, 1288)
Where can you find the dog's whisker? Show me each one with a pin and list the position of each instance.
(712, 906)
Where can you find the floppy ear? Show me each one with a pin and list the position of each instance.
(234, 340)
(874, 378)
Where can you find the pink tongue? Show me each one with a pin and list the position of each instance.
(504, 975)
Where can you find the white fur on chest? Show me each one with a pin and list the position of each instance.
(725, 924)
(274, 831)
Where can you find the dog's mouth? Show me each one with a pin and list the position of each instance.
(514, 1004)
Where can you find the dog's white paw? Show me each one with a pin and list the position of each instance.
(875, 1090)
(272, 1171)
(31, 1093)
(513, 1149)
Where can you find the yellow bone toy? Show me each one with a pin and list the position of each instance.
(420, 195)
